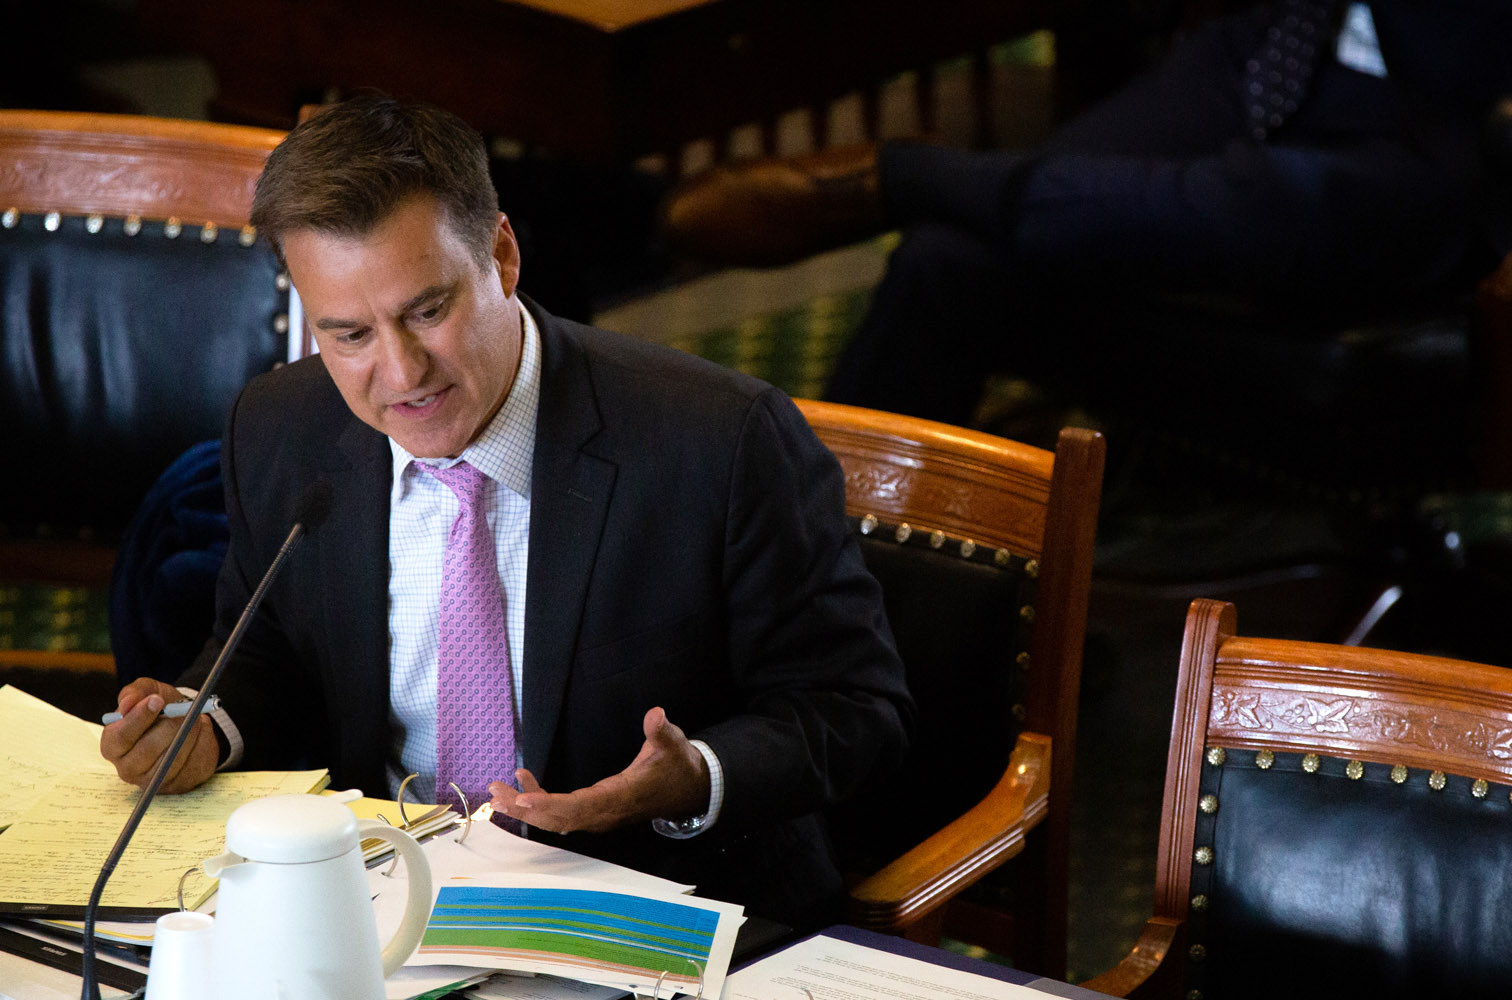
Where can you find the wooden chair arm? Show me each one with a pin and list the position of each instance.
(973, 844)
(1143, 973)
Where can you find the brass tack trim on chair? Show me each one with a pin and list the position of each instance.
(208, 232)
(1022, 660)
(1216, 756)
(1031, 568)
(1027, 613)
(1479, 787)
(1197, 952)
(94, 223)
(1264, 759)
(132, 225)
(1208, 804)
(1019, 712)
(10, 218)
(246, 238)
(1354, 770)
(938, 539)
(1199, 902)
(173, 227)
(1311, 762)
(1399, 773)
(1437, 780)
(1203, 855)
(281, 323)
(282, 282)
(51, 221)
(1194, 995)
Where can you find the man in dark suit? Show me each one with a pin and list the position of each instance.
(1289, 159)
(669, 536)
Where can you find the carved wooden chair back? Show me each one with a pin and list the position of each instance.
(983, 547)
(1336, 822)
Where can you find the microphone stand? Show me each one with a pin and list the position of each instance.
(91, 989)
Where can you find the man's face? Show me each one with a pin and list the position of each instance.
(422, 343)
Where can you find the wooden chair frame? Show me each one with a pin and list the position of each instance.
(158, 168)
(119, 166)
(1457, 699)
(1035, 503)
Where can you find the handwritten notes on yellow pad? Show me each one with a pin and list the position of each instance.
(74, 809)
(38, 743)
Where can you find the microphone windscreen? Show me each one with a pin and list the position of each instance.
(314, 505)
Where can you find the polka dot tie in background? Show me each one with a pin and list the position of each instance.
(1277, 75)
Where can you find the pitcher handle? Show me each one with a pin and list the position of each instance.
(417, 905)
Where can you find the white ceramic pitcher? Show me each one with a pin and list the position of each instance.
(293, 915)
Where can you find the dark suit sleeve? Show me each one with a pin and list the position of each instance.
(273, 704)
(809, 644)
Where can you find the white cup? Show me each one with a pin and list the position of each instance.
(180, 965)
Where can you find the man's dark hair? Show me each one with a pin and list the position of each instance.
(347, 168)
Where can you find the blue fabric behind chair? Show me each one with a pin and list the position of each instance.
(162, 589)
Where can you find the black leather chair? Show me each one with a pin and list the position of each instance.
(983, 547)
(1336, 823)
(134, 303)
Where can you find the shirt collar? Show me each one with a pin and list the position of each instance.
(503, 451)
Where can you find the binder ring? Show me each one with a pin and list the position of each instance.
(404, 813)
(466, 813)
(656, 990)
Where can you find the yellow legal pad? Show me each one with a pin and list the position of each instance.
(65, 806)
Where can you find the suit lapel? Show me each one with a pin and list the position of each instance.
(569, 500)
(354, 577)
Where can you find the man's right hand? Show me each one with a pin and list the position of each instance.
(136, 743)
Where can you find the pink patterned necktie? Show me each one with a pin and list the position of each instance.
(475, 739)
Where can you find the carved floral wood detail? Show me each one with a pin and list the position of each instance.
(223, 192)
(118, 165)
(972, 485)
(894, 484)
(1437, 729)
(63, 181)
(963, 507)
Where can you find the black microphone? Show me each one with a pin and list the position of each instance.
(314, 506)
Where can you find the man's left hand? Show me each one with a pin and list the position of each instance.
(668, 779)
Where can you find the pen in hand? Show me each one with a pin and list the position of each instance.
(173, 710)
